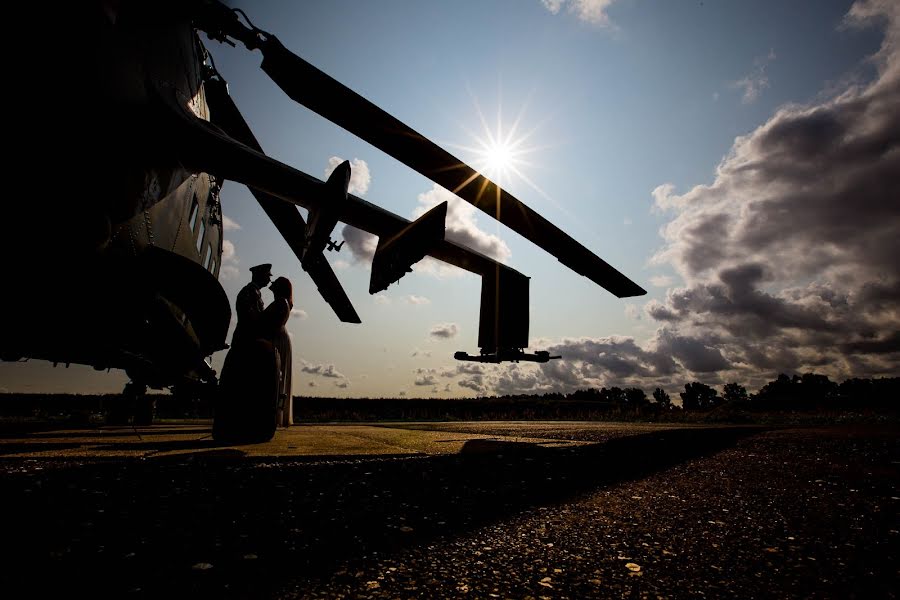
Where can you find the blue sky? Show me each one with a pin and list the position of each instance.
(642, 121)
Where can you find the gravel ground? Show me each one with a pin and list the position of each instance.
(642, 512)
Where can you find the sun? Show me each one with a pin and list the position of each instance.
(499, 153)
(499, 159)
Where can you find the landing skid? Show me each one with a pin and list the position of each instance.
(510, 354)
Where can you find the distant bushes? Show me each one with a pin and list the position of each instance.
(809, 394)
(90, 408)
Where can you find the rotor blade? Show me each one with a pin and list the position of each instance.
(319, 92)
(286, 217)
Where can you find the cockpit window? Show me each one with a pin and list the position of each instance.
(208, 257)
(195, 210)
(200, 237)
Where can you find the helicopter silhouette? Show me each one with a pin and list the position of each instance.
(144, 250)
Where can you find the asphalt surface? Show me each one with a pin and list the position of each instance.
(479, 510)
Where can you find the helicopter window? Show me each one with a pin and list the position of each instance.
(208, 258)
(195, 210)
(200, 236)
(212, 267)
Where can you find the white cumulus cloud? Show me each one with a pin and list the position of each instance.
(229, 269)
(462, 223)
(359, 174)
(590, 11)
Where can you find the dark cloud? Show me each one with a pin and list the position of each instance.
(789, 256)
(694, 354)
(362, 244)
(515, 379)
(444, 330)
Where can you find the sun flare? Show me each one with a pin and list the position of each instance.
(500, 155)
(501, 151)
(498, 158)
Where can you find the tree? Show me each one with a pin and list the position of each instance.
(613, 395)
(699, 396)
(815, 389)
(734, 393)
(635, 397)
(590, 394)
(797, 392)
(775, 393)
(662, 398)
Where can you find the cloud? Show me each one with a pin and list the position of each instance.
(756, 81)
(342, 384)
(362, 244)
(311, 383)
(229, 269)
(444, 330)
(359, 174)
(413, 299)
(590, 11)
(553, 5)
(417, 352)
(473, 384)
(662, 281)
(423, 380)
(229, 224)
(789, 255)
(341, 264)
(670, 359)
(381, 299)
(322, 370)
(632, 312)
(228, 272)
(462, 225)
(298, 313)
(228, 252)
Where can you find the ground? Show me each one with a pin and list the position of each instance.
(435, 510)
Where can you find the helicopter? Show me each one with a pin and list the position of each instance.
(143, 251)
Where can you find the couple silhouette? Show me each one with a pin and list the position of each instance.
(256, 386)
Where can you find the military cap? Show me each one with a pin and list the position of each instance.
(265, 268)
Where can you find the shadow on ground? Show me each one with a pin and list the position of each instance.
(240, 528)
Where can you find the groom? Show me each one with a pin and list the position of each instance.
(249, 305)
(238, 417)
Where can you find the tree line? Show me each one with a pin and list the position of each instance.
(810, 391)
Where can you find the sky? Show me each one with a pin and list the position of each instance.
(739, 160)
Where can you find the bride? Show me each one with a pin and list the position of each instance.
(274, 321)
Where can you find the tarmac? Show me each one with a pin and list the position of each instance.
(169, 440)
(450, 510)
